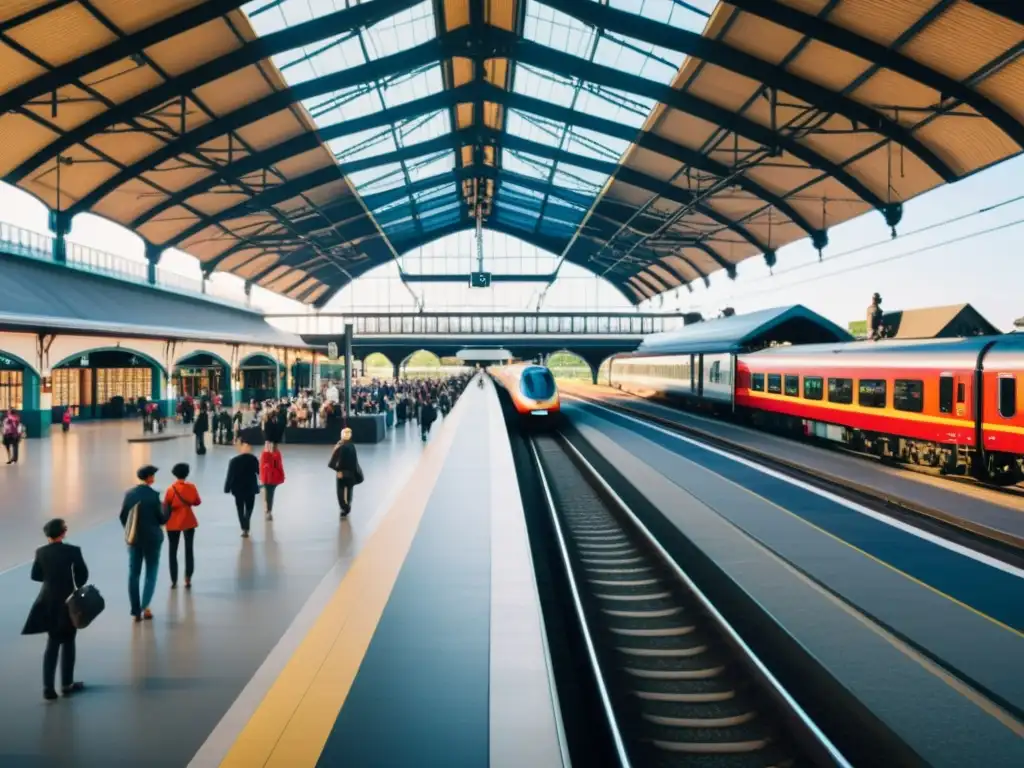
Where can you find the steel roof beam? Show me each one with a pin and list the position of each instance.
(122, 48)
(880, 55)
(568, 65)
(230, 173)
(1008, 9)
(725, 56)
(655, 143)
(336, 23)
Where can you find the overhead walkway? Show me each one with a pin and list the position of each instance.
(409, 634)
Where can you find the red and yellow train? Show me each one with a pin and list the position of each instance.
(953, 404)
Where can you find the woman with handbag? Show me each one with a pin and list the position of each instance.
(179, 500)
(61, 569)
(345, 463)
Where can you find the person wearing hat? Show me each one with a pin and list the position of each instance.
(179, 500)
(61, 569)
(142, 504)
(345, 463)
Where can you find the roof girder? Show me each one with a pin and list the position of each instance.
(122, 48)
(880, 55)
(339, 22)
(453, 140)
(725, 56)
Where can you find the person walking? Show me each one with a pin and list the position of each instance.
(428, 415)
(179, 501)
(200, 428)
(271, 475)
(142, 517)
(345, 463)
(65, 420)
(12, 435)
(243, 482)
(61, 569)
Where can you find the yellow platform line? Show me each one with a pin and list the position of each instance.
(291, 725)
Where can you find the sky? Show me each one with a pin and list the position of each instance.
(956, 244)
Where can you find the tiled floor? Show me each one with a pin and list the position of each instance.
(156, 690)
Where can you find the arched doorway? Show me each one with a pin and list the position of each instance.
(421, 364)
(566, 365)
(19, 389)
(261, 377)
(108, 383)
(377, 365)
(203, 374)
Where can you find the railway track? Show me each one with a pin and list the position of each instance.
(678, 685)
(996, 543)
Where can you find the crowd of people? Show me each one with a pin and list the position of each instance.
(146, 513)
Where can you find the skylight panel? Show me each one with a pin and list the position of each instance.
(557, 30)
(401, 31)
(671, 12)
(424, 128)
(592, 144)
(432, 166)
(519, 162)
(635, 58)
(574, 177)
(447, 188)
(533, 127)
(413, 86)
(544, 85)
(370, 143)
(376, 179)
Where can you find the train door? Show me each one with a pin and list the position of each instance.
(962, 407)
(946, 387)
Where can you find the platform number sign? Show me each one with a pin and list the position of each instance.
(480, 280)
(332, 350)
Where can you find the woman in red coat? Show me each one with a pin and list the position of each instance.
(271, 476)
(179, 500)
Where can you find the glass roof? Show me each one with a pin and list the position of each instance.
(546, 177)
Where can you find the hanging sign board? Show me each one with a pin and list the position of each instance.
(332, 351)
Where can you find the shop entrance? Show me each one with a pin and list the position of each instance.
(202, 375)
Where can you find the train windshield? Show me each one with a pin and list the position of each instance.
(538, 384)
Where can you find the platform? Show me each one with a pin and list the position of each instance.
(1000, 511)
(887, 613)
(412, 628)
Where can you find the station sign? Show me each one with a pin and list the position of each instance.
(332, 350)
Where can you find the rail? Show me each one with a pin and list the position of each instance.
(670, 646)
(475, 323)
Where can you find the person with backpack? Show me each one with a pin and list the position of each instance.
(62, 570)
(243, 482)
(179, 500)
(345, 463)
(271, 475)
(143, 518)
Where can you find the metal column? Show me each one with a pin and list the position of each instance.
(348, 371)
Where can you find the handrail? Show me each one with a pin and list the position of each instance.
(20, 241)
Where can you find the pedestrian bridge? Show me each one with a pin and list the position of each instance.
(592, 335)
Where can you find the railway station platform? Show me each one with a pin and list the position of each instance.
(996, 513)
(924, 634)
(408, 634)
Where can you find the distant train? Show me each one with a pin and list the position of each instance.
(531, 388)
(952, 404)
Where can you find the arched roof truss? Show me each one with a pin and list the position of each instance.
(299, 146)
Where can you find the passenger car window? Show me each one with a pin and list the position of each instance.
(1007, 396)
(871, 393)
(775, 383)
(840, 391)
(908, 395)
(792, 386)
(757, 382)
(945, 394)
(813, 387)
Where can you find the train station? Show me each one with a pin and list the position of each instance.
(489, 384)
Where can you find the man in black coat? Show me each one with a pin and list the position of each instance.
(243, 482)
(345, 463)
(148, 542)
(60, 568)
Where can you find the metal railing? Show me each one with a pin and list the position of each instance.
(38, 245)
(476, 323)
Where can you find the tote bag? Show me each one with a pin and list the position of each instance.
(84, 604)
(131, 525)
